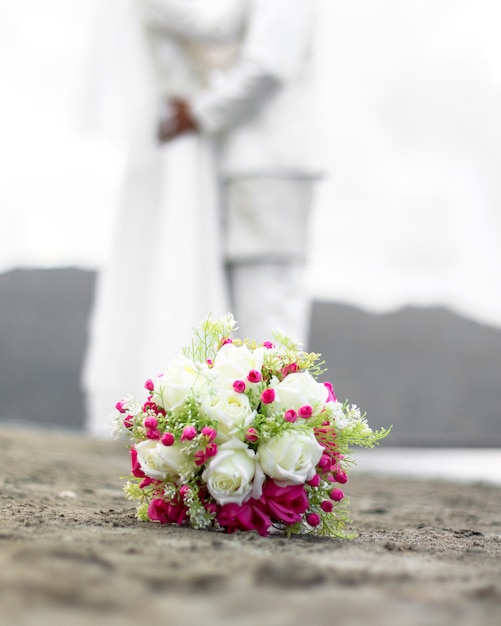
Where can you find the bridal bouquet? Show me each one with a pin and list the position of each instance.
(239, 436)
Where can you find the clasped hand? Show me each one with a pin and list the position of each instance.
(178, 121)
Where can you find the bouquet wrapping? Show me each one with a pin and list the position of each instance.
(236, 435)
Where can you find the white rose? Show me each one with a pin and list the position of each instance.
(230, 474)
(290, 457)
(299, 389)
(232, 411)
(181, 378)
(159, 461)
(235, 362)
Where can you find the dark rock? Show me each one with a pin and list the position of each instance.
(432, 374)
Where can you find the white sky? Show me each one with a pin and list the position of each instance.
(410, 100)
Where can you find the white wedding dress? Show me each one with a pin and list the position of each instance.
(165, 268)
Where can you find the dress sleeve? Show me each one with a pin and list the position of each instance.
(275, 39)
(198, 20)
(233, 97)
(275, 46)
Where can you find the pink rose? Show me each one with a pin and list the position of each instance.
(167, 512)
(119, 406)
(147, 481)
(149, 385)
(247, 516)
(136, 467)
(284, 504)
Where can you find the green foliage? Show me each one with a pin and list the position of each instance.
(207, 338)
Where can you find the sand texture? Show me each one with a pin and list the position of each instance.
(72, 552)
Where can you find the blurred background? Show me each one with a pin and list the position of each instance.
(405, 238)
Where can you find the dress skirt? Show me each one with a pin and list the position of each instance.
(164, 274)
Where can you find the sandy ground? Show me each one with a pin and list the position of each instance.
(72, 552)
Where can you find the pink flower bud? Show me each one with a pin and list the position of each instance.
(340, 476)
(149, 385)
(167, 439)
(239, 386)
(199, 457)
(211, 450)
(325, 462)
(209, 432)
(331, 397)
(211, 507)
(314, 482)
(290, 416)
(184, 490)
(226, 340)
(291, 368)
(252, 435)
(268, 396)
(120, 406)
(337, 495)
(313, 519)
(189, 433)
(210, 363)
(128, 421)
(153, 433)
(305, 411)
(150, 422)
(254, 376)
(268, 345)
(326, 506)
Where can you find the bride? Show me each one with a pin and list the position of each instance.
(165, 270)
